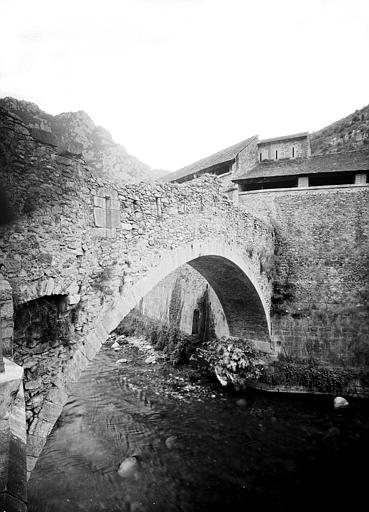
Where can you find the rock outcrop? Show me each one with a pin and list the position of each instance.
(76, 133)
(347, 134)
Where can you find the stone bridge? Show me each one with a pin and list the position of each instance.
(93, 250)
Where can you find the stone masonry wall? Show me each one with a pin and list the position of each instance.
(190, 287)
(6, 320)
(284, 149)
(97, 249)
(322, 287)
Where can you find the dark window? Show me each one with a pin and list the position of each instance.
(196, 322)
(270, 184)
(276, 154)
(293, 152)
(322, 180)
(261, 157)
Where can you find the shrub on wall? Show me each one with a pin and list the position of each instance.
(313, 377)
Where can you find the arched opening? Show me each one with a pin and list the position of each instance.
(221, 301)
(240, 301)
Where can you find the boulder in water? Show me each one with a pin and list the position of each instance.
(340, 402)
(171, 442)
(128, 467)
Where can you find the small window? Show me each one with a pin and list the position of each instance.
(293, 152)
(276, 154)
(260, 157)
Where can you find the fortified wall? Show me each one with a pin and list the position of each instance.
(321, 290)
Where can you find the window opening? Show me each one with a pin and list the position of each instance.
(158, 207)
(108, 211)
(276, 154)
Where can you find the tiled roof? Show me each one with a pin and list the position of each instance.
(337, 162)
(294, 136)
(221, 157)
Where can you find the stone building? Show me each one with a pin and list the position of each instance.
(279, 162)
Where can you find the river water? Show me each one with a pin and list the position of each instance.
(196, 447)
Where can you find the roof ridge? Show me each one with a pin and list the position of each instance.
(218, 153)
(223, 156)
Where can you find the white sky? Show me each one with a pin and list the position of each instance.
(176, 80)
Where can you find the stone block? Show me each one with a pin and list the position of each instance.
(114, 204)
(100, 202)
(57, 396)
(114, 218)
(31, 463)
(42, 429)
(100, 217)
(46, 287)
(5, 290)
(7, 309)
(107, 193)
(91, 346)
(99, 232)
(74, 299)
(50, 411)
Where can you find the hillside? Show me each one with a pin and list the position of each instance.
(106, 158)
(347, 134)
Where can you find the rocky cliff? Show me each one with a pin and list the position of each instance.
(77, 133)
(347, 134)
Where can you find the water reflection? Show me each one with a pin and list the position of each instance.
(282, 452)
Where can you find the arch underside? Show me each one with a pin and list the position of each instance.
(240, 301)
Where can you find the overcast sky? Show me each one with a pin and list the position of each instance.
(176, 80)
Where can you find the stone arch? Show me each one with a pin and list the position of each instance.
(235, 277)
(230, 273)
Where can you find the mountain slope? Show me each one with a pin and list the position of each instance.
(106, 158)
(347, 134)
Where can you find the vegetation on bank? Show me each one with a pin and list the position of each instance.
(313, 377)
(233, 360)
(174, 343)
(236, 363)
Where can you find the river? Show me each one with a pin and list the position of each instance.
(196, 447)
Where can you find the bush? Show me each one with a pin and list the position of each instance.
(234, 360)
(177, 345)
